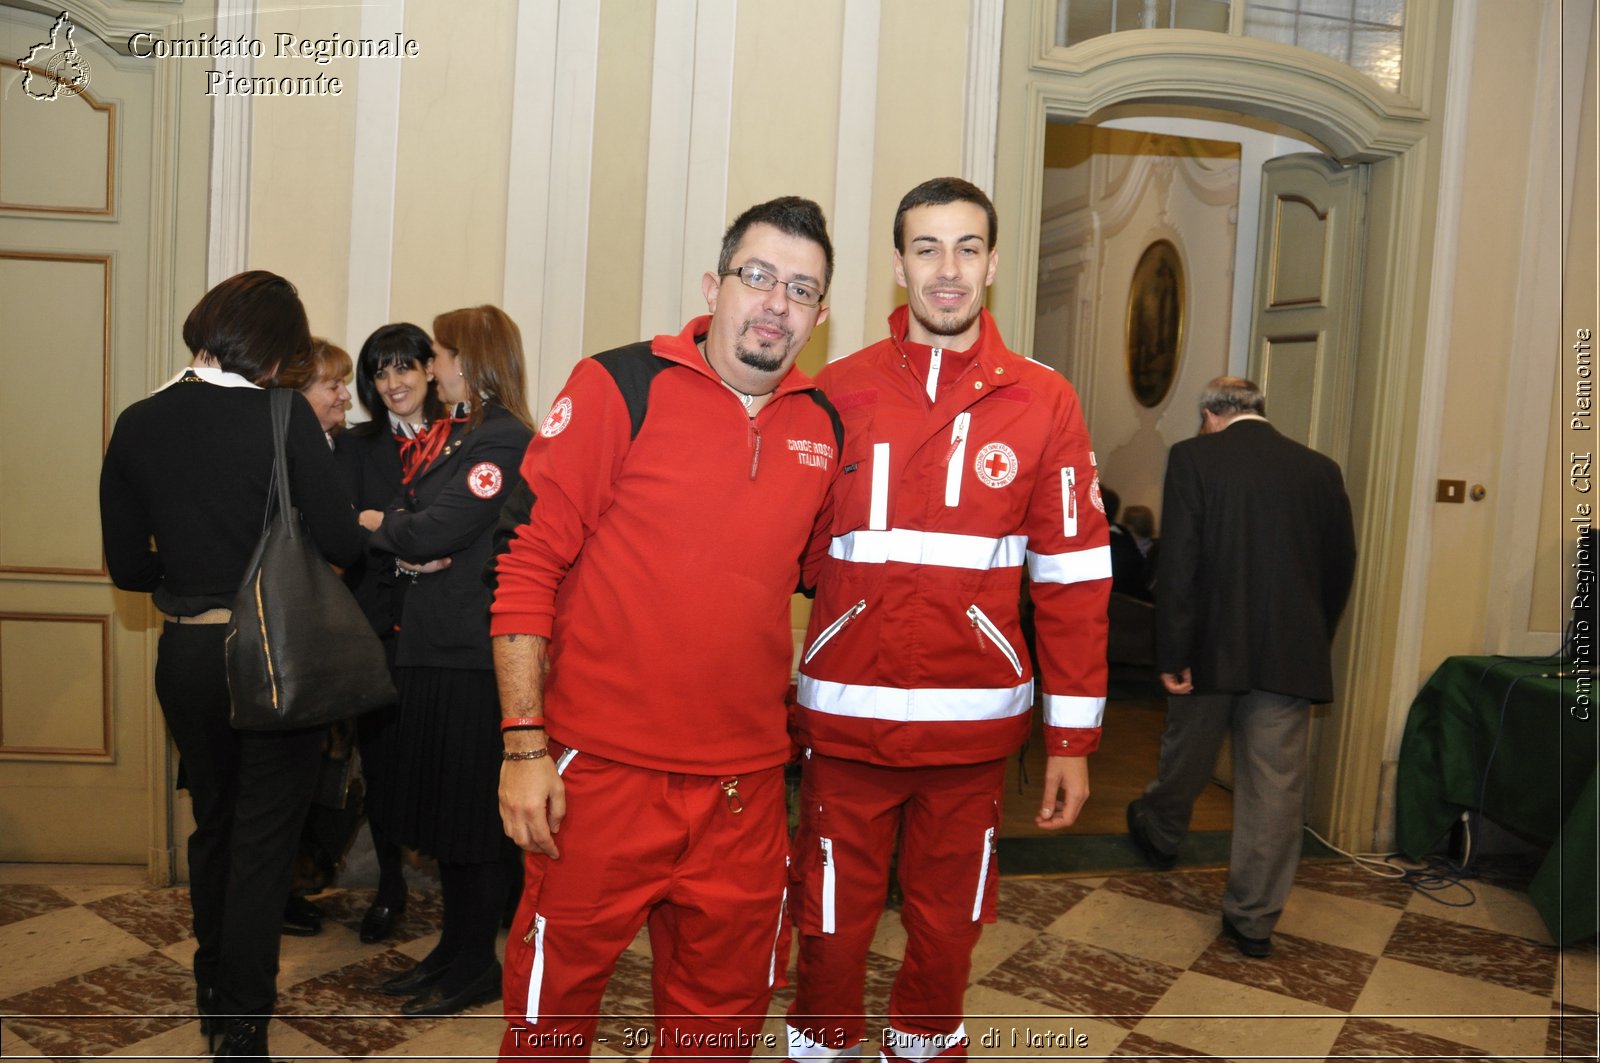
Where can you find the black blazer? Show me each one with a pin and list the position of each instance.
(370, 458)
(449, 510)
(1257, 558)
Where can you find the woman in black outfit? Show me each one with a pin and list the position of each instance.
(395, 383)
(189, 468)
(447, 752)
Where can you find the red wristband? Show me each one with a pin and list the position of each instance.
(521, 723)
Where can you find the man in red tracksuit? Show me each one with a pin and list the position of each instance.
(641, 622)
(962, 461)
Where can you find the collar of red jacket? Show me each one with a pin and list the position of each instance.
(683, 349)
(991, 352)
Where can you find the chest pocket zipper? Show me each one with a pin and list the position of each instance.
(956, 462)
(987, 628)
(833, 629)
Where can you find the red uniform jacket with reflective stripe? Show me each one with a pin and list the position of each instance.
(661, 567)
(915, 653)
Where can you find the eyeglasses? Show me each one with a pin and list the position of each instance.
(762, 281)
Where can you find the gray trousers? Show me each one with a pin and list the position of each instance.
(1270, 732)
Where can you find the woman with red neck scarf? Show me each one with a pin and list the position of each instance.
(447, 746)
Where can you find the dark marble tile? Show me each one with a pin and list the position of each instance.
(1080, 979)
(1370, 1039)
(1487, 955)
(1574, 1033)
(105, 1009)
(156, 917)
(1344, 879)
(1512, 871)
(344, 1010)
(424, 912)
(1038, 902)
(1142, 1046)
(25, 902)
(1198, 891)
(1298, 967)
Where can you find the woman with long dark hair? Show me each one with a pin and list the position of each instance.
(183, 495)
(394, 380)
(447, 752)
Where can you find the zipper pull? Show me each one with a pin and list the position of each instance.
(730, 789)
(755, 449)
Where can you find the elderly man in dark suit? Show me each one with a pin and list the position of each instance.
(1257, 557)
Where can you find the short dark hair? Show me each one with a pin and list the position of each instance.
(794, 215)
(401, 345)
(251, 323)
(936, 193)
(1229, 396)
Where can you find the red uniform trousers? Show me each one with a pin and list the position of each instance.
(640, 844)
(947, 818)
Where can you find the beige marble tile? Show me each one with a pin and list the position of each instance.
(128, 876)
(890, 937)
(1003, 1026)
(1577, 981)
(1137, 927)
(57, 945)
(91, 893)
(470, 1036)
(1222, 1018)
(181, 952)
(1496, 908)
(1465, 1010)
(1336, 920)
(302, 958)
(185, 1040)
(998, 940)
(12, 1046)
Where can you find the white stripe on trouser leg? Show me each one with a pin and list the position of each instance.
(827, 885)
(983, 874)
(777, 935)
(802, 1047)
(536, 975)
(878, 515)
(921, 1047)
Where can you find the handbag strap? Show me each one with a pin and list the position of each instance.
(278, 490)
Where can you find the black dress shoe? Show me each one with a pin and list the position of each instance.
(379, 923)
(246, 1039)
(410, 983)
(207, 1002)
(1255, 948)
(480, 990)
(301, 918)
(1161, 861)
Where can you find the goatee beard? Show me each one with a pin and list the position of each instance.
(760, 360)
(947, 324)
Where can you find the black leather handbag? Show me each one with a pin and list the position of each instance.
(299, 649)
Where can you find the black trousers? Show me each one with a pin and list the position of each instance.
(250, 791)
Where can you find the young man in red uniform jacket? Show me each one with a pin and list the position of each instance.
(962, 462)
(643, 645)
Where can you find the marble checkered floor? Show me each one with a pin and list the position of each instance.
(1129, 966)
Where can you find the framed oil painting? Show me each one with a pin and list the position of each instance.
(1155, 322)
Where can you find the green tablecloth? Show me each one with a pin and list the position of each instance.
(1494, 712)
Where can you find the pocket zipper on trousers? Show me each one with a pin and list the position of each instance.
(833, 629)
(827, 885)
(987, 627)
(983, 874)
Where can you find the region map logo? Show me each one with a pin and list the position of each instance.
(55, 68)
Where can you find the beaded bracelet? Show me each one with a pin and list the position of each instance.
(521, 723)
(525, 754)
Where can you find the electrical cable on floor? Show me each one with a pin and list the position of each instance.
(1435, 875)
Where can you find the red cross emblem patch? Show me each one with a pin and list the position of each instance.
(996, 465)
(559, 417)
(485, 479)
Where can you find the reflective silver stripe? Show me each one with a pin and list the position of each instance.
(981, 621)
(564, 759)
(1076, 566)
(926, 703)
(878, 516)
(827, 885)
(1069, 502)
(536, 976)
(957, 465)
(777, 935)
(803, 1049)
(947, 549)
(1071, 710)
(933, 373)
(833, 629)
(983, 874)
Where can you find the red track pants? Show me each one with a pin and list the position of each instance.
(639, 844)
(947, 819)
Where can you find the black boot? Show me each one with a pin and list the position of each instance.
(207, 1002)
(245, 1039)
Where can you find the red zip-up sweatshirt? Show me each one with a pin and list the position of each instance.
(661, 564)
(915, 655)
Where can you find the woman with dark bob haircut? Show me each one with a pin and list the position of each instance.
(183, 494)
(447, 748)
(394, 381)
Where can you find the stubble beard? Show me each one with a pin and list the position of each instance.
(761, 359)
(946, 322)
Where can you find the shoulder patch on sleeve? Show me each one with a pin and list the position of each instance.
(485, 480)
(557, 419)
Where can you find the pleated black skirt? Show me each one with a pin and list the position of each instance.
(443, 798)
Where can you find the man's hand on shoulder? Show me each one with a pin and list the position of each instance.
(1066, 788)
